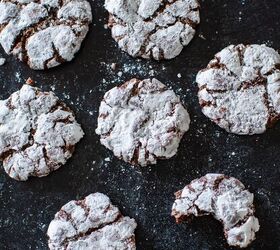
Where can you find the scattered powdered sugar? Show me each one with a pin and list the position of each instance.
(226, 199)
(37, 133)
(51, 32)
(240, 88)
(120, 71)
(18, 77)
(153, 28)
(141, 121)
(92, 223)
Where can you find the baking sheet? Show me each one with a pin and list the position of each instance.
(26, 208)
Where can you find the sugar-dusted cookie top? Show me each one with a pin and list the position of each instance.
(38, 133)
(43, 34)
(142, 121)
(157, 29)
(92, 223)
(240, 89)
(226, 199)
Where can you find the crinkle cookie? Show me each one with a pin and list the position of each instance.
(142, 121)
(43, 33)
(240, 89)
(226, 199)
(37, 133)
(157, 29)
(92, 223)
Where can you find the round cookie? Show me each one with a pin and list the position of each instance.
(240, 89)
(43, 34)
(38, 133)
(142, 121)
(157, 29)
(92, 223)
(226, 199)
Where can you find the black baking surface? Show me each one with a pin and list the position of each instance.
(146, 194)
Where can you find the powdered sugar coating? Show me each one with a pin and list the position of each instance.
(157, 29)
(37, 133)
(92, 223)
(226, 199)
(44, 34)
(240, 89)
(141, 121)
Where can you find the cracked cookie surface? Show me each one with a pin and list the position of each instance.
(157, 29)
(226, 199)
(142, 121)
(240, 89)
(43, 33)
(92, 223)
(37, 133)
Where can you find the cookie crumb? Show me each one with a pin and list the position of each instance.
(2, 61)
(113, 66)
(29, 81)
(202, 36)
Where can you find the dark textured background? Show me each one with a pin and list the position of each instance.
(26, 208)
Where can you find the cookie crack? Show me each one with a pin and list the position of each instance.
(37, 18)
(114, 19)
(229, 221)
(89, 231)
(25, 34)
(273, 116)
(55, 56)
(162, 7)
(178, 216)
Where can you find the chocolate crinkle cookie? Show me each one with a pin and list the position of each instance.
(43, 33)
(240, 89)
(142, 121)
(157, 29)
(92, 223)
(226, 199)
(37, 133)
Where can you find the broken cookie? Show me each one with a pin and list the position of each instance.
(157, 29)
(43, 33)
(226, 199)
(142, 121)
(240, 89)
(38, 133)
(92, 223)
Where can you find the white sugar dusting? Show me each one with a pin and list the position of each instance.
(57, 35)
(92, 223)
(153, 29)
(141, 121)
(35, 138)
(226, 199)
(242, 95)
